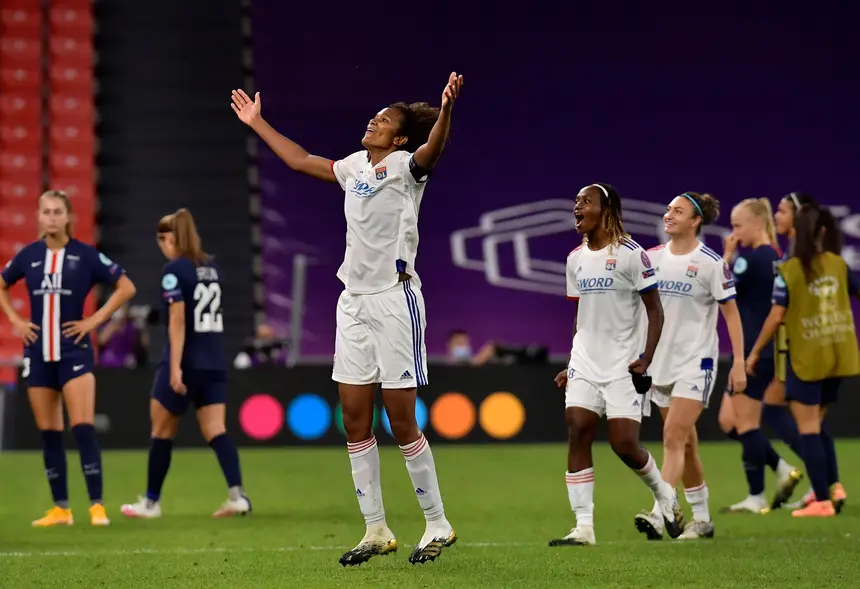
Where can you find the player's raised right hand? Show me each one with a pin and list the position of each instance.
(246, 109)
(561, 379)
(26, 330)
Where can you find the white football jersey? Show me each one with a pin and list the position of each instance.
(691, 288)
(381, 207)
(610, 318)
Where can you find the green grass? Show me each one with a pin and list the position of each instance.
(505, 502)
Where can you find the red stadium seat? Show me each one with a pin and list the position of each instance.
(23, 20)
(20, 137)
(71, 109)
(18, 219)
(20, 79)
(17, 162)
(71, 22)
(71, 52)
(21, 52)
(73, 163)
(20, 188)
(70, 134)
(72, 80)
(23, 108)
(78, 188)
(20, 235)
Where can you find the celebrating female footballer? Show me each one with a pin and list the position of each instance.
(59, 272)
(694, 282)
(193, 368)
(380, 314)
(754, 265)
(611, 278)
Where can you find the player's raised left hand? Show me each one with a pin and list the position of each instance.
(452, 90)
(79, 328)
(246, 109)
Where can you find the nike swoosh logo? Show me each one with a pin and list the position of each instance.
(35, 264)
(78, 367)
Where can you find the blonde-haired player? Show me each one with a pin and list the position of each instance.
(741, 413)
(694, 282)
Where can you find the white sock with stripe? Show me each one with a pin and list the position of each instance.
(422, 471)
(580, 492)
(697, 497)
(364, 458)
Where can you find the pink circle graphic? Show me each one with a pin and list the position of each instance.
(261, 417)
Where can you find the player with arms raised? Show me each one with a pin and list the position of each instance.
(608, 275)
(193, 369)
(380, 314)
(694, 283)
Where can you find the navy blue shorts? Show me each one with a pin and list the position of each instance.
(758, 383)
(819, 392)
(205, 387)
(55, 375)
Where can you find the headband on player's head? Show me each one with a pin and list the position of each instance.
(695, 204)
(795, 200)
(602, 189)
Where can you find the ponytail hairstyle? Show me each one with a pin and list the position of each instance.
(188, 245)
(809, 227)
(62, 197)
(704, 206)
(760, 208)
(831, 234)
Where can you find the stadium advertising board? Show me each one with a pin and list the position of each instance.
(281, 407)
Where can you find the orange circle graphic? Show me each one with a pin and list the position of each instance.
(502, 415)
(453, 415)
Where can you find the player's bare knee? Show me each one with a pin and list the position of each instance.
(358, 425)
(675, 437)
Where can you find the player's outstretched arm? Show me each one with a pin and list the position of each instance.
(428, 154)
(293, 154)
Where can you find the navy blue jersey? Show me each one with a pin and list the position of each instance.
(199, 287)
(58, 284)
(754, 271)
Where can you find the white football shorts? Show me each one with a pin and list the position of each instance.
(380, 338)
(698, 388)
(616, 399)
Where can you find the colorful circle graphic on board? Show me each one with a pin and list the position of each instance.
(261, 417)
(420, 417)
(453, 416)
(502, 415)
(308, 416)
(338, 418)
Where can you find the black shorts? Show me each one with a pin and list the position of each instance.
(54, 375)
(818, 392)
(205, 387)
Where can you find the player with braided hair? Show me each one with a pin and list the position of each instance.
(611, 278)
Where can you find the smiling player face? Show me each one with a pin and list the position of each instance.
(679, 218)
(382, 130)
(588, 210)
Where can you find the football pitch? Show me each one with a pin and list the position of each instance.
(504, 501)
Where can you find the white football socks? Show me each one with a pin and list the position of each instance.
(580, 492)
(697, 497)
(364, 458)
(422, 471)
(651, 476)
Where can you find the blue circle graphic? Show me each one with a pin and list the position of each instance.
(308, 416)
(421, 416)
